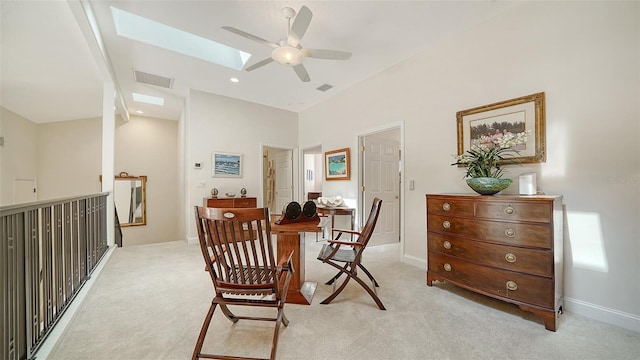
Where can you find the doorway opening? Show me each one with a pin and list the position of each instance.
(311, 171)
(277, 178)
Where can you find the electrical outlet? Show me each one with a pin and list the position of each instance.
(412, 184)
(202, 184)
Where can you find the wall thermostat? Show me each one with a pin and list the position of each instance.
(197, 165)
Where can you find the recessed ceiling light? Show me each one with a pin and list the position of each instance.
(139, 112)
(141, 29)
(148, 99)
(234, 80)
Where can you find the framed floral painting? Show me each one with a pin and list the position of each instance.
(483, 125)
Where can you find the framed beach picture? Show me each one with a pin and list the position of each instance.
(226, 164)
(484, 124)
(337, 164)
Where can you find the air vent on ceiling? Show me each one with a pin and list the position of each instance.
(151, 79)
(324, 87)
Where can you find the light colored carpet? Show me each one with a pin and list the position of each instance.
(149, 303)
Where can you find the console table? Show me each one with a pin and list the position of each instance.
(333, 211)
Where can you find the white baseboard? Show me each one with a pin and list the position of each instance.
(601, 313)
(192, 240)
(412, 260)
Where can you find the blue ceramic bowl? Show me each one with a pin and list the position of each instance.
(488, 186)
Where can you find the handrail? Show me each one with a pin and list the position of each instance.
(48, 249)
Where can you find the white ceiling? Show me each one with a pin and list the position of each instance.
(49, 72)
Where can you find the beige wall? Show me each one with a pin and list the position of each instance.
(65, 157)
(18, 155)
(585, 57)
(69, 158)
(148, 146)
(218, 123)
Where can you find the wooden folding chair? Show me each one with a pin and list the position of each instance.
(237, 250)
(346, 256)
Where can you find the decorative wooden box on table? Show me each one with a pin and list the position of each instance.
(506, 247)
(230, 202)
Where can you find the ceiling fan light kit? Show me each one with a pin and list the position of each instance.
(287, 55)
(288, 51)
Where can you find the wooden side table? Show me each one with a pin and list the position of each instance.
(289, 238)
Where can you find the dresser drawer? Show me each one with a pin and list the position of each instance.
(443, 206)
(517, 234)
(515, 211)
(244, 203)
(530, 261)
(530, 289)
(219, 203)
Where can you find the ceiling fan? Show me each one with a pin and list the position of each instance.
(288, 51)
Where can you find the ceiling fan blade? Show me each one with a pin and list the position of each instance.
(300, 25)
(250, 37)
(259, 64)
(326, 54)
(302, 73)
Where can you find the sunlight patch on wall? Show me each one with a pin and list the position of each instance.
(587, 246)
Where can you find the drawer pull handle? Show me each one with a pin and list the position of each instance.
(510, 257)
(510, 233)
(446, 206)
(447, 267)
(511, 285)
(446, 224)
(509, 210)
(446, 245)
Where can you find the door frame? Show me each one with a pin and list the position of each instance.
(363, 208)
(294, 168)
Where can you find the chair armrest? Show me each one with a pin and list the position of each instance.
(346, 231)
(346, 243)
(285, 263)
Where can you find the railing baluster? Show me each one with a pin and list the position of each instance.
(47, 251)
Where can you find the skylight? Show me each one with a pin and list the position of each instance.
(141, 29)
(148, 99)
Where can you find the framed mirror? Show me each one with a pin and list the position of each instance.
(130, 197)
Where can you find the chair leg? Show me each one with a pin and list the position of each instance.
(371, 292)
(333, 279)
(336, 292)
(203, 332)
(375, 283)
(279, 319)
(231, 316)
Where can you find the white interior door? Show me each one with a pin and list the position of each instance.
(381, 160)
(25, 191)
(284, 179)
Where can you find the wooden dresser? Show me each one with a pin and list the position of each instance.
(506, 247)
(241, 202)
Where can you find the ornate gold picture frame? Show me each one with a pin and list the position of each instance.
(515, 115)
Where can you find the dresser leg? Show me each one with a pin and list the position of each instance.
(431, 278)
(550, 318)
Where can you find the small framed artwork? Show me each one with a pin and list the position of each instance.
(337, 164)
(510, 116)
(226, 164)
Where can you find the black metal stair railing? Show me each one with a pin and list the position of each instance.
(48, 250)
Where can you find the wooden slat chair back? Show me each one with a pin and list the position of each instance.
(346, 255)
(239, 257)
